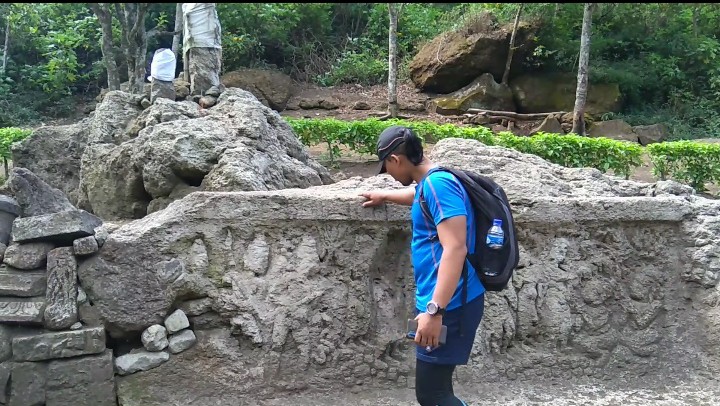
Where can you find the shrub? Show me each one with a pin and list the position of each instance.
(690, 162)
(9, 136)
(567, 150)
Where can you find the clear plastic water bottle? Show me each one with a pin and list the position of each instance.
(495, 235)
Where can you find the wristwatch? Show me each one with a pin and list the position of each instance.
(433, 308)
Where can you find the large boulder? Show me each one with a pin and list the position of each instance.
(53, 153)
(454, 59)
(304, 288)
(553, 92)
(614, 129)
(34, 196)
(483, 93)
(239, 144)
(649, 134)
(271, 87)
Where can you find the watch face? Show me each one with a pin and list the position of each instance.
(431, 308)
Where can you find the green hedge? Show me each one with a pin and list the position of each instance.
(568, 150)
(9, 136)
(690, 162)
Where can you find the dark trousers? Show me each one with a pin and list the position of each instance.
(433, 385)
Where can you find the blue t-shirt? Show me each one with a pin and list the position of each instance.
(445, 198)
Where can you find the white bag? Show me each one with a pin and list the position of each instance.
(163, 65)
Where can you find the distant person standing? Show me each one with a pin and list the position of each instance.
(440, 241)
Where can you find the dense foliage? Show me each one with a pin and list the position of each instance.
(9, 136)
(665, 56)
(693, 163)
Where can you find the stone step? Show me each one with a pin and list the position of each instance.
(61, 344)
(62, 228)
(24, 310)
(22, 283)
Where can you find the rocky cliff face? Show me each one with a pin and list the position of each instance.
(304, 288)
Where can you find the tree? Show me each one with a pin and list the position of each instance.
(102, 11)
(394, 10)
(511, 50)
(178, 29)
(582, 78)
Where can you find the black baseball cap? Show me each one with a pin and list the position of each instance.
(389, 140)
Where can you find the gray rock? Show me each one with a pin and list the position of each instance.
(196, 307)
(549, 125)
(83, 381)
(62, 344)
(61, 228)
(27, 386)
(145, 103)
(101, 234)
(207, 101)
(154, 338)
(34, 196)
(3, 247)
(22, 310)
(648, 134)
(89, 315)
(181, 341)
(214, 91)
(176, 321)
(140, 361)
(85, 246)
(28, 256)
(6, 335)
(113, 116)
(22, 283)
(9, 210)
(483, 93)
(178, 147)
(61, 297)
(53, 154)
(5, 370)
(161, 89)
(614, 129)
(81, 295)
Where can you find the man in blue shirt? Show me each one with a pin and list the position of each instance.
(439, 248)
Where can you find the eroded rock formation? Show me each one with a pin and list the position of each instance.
(304, 288)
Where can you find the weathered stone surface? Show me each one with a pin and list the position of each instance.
(196, 307)
(615, 129)
(34, 196)
(239, 144)
(207, 101)
(82, 381)
(204, 67)
(454, 59)
(551, 92)
(85, 246)
(22, 283)
(62, 344)
(181, 341)
(5, 371)
(550, 125)
(616, 280)
(24, 310)
(28, 256)
(62, 228)
(76, 326)
(154, 338)
(61, 296)
(176, 321)
(648, 134)
(273, 88)
(182, 88)
(53, 154)
(9, 210)
(6, 335)
(483, 93)
(3, 247)
(161, 89)
(140, 361)
(27, 384)
(113, 116)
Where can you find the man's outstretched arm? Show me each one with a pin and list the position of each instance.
(401, 196)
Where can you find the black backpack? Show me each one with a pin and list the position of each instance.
(494, 266)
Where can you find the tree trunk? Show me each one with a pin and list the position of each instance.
(6, 48)
(133, 41)
(511, 50)
(393, 108)
(582, 78)
(178, 30)
(102, 11)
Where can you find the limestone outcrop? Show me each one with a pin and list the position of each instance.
(300, 288)
(126, 161)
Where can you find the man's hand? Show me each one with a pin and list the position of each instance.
(374, 198)
(428, 331)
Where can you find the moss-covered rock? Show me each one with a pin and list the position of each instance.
(550, 92)
(483, 93)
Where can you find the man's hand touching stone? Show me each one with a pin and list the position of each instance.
(374, 198)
